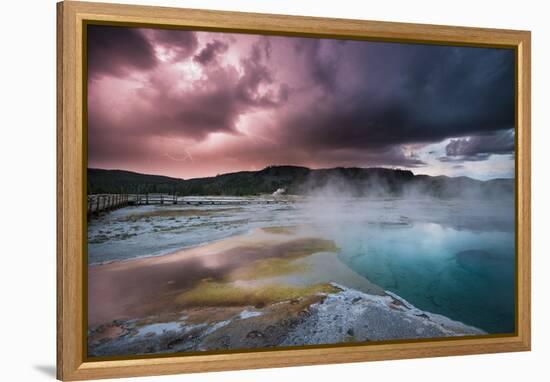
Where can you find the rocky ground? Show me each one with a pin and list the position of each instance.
(338, 315)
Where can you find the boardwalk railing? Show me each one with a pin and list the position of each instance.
(197, 201)
(99, 203)
(106, 202)
(154, 199)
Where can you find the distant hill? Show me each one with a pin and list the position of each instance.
(125, 182)
(296, 180)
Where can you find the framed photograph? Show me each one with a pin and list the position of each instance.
(245, 190)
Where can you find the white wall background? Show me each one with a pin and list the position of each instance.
(27, 160)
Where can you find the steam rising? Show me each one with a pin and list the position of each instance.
(350, 205)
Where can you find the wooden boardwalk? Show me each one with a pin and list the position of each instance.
(153, 199)
(99, 203)
(106, 202)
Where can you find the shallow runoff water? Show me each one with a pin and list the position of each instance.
(452, 257)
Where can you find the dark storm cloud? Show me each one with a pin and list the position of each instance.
(210, 51)
(322, 61)
(207, 112)
(409, 93)
(480, 147)
(257, 73)
(117, 50)
(181, 44)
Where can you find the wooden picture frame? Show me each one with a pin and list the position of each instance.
(72, 363)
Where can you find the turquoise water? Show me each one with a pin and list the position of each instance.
(466, 275)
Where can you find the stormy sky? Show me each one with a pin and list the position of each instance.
(193, 104)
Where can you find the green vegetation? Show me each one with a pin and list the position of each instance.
(298, 181)
(236, 184)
